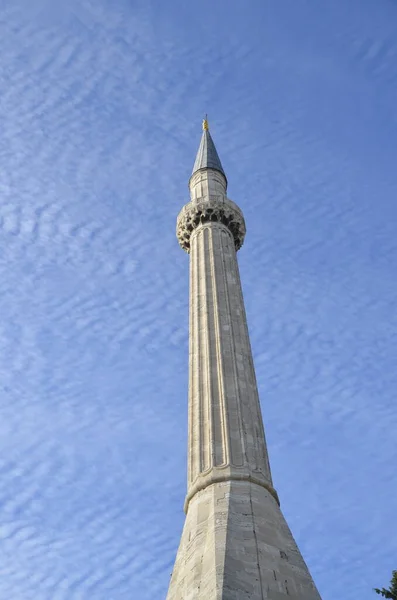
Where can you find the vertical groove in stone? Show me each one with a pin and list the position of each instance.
(197, 361)
(194, 371)
(237, 442)
(224, 457)
(197, 352)
(211, 389)
(191, 420)
(248, 397)
(260, 448)
(196, 439)
(205, 380)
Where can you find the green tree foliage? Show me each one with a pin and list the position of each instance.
(392, 591)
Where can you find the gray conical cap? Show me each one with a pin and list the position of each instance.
(207, 156)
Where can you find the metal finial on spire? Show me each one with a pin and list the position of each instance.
(207, 156)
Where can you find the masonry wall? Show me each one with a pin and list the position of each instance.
(236, 545)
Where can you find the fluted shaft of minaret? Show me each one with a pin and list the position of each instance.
(235, 543)
(226, 436)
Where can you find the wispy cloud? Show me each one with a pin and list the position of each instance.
(100, 108)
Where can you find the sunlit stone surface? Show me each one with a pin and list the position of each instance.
(236, 544)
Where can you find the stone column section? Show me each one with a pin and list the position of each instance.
(226, 438)
(235, 544)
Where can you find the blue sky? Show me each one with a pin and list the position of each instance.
(101, 105)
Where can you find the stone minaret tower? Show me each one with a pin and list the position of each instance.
(235, 544)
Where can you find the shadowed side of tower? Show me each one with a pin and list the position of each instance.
(235, 543)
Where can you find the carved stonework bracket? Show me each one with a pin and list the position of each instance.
(222, 211)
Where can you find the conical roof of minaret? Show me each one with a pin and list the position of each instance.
(207, 156)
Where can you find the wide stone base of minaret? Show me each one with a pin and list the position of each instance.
(236, 545)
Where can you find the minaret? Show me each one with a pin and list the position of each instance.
(236, 544)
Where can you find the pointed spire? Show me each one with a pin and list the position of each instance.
(207, 156)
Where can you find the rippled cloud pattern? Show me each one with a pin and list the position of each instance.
(101, 105)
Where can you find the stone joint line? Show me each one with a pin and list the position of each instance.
(203, 483)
